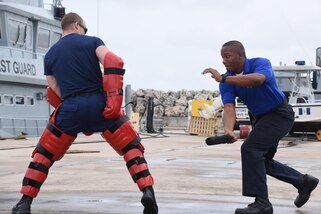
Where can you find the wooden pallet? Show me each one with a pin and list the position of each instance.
(202, 126)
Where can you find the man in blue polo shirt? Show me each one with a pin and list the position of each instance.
(253, 81)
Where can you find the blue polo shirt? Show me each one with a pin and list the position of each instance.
(258, 99)
(74, 64)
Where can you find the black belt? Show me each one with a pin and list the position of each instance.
(76, 94)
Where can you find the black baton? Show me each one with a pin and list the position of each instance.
(215, 140)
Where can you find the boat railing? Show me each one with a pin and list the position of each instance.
(19, 53)
(317, 101)
(303, 101)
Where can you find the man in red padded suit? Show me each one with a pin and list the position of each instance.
(85, 101)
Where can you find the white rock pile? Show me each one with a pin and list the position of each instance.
(170, 103)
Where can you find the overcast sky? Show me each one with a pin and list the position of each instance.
(166, 44)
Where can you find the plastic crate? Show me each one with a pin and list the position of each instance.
(202, 126)
(197, 105)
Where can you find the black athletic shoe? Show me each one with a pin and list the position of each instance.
(149, 201)
(309, 184)
(260, 206)
(22, 207)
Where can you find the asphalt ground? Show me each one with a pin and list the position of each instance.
(190, 177)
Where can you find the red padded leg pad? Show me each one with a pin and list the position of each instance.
(138, 168)
(121, 135)
(36, 175)
(54, 143)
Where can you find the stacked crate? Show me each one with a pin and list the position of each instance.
(197, 124)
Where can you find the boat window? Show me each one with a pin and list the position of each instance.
(8, 99)
(55, 37)
(301, 100)
(239, 102)
(20, 100)
(29, 36)
(0, 99)
(17, 32)
(30, 101)
(43, 38)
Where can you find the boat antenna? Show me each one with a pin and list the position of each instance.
(295, 35)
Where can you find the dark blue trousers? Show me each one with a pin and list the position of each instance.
(259, 149)
(83, 114)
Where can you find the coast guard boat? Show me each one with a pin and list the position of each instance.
(27, 31)
(300, 84)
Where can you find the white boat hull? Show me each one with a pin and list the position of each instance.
(307, 117)
(307, 112)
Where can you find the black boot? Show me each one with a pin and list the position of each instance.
(23, 206)
(309, 184)
(260, 206)
(149, 201)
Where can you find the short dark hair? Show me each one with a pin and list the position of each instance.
(69, 19)
(238, 46)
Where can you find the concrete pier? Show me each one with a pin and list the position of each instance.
(190, 177)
